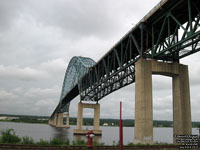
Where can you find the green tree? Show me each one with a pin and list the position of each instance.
(8, 136)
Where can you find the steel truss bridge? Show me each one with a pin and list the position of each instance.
(169, 32)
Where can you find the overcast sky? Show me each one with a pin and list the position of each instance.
(39, 37)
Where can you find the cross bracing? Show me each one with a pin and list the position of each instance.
(169, 32)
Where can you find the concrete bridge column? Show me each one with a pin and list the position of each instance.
(54, 120)
(59, 120)
(143, 103)
(67, 120)
(181, 103)
(96, 117)
(80, 116)
(50, 122)
(143, 98)
(96, 108)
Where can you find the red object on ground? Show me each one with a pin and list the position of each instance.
(90, 135)
(120, 129)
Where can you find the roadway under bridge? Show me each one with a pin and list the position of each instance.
(169, 32)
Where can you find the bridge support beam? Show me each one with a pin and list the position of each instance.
(96, 108)
(143, 98)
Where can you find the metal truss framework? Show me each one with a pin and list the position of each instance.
(179, 35)
(78, 66)
(168, 33)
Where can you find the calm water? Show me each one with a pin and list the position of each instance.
(109, 134)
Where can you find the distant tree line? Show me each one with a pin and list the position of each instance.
(128, 122)
(89, 121)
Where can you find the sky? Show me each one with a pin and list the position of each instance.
(38, 39)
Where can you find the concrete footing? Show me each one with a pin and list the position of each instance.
(96, 108)
(143, 98)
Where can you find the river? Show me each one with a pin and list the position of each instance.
(109, 134)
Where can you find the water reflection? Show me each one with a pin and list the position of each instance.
(62, 133)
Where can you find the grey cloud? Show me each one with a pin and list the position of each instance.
(33, 93)
(28, 41)
(51, 71)
(27, 74)
(86, 18)
(32, 101)
(193, 66)
(74, 17)
(160, 83)
(9, 10)
(162, 103)
(55, 67)
(7, 96)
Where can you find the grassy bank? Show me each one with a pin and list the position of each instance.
(9, 137)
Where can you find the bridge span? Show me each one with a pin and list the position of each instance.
(169, 32)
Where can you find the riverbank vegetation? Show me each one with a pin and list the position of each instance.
(88, 121)
(9, 137)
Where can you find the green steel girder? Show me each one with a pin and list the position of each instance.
(172, 46)
(169, 32)
(164, 35)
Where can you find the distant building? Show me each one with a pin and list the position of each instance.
(42, 119)
(8, 118)
(105, 124)
(3, 118)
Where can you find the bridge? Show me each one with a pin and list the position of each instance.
(168, 33)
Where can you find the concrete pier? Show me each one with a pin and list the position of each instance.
(67, 120)
(181, 103)
(50, 122)
(144, 104)
(96, 108)
(57, 120)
